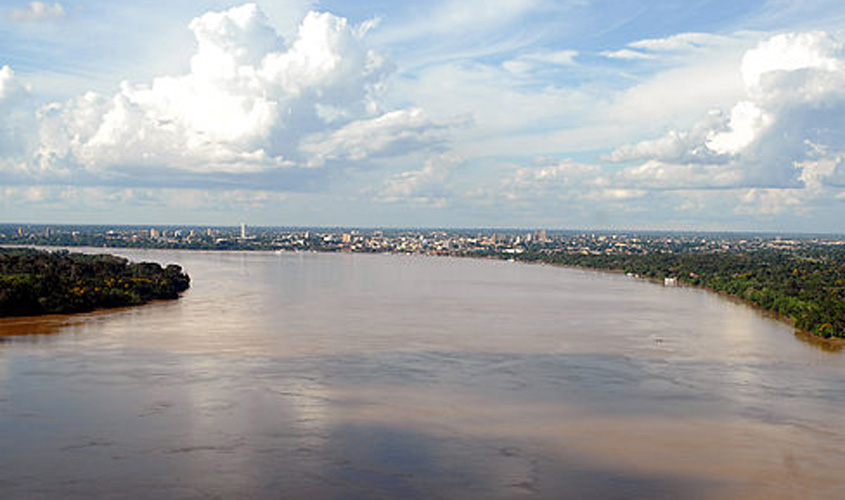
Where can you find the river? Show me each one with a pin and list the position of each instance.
(303, 375)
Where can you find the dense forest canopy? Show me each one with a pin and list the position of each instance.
(806, 286)
(38, 282)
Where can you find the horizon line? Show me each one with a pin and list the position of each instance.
(432, 228)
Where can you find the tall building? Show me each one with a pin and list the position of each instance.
(243, 230)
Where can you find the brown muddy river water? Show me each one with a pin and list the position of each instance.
(381, 376)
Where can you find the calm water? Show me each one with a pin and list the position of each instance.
(378, 376)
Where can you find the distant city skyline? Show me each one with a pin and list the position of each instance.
(672, 115)
(457, 242)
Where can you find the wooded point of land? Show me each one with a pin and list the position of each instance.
(34, 282)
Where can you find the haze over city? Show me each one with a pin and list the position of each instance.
(707, 115)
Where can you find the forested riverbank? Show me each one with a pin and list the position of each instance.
(34, 282)
(807, 287)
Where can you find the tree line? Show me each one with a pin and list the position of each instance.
(34, 282)
(806, 286)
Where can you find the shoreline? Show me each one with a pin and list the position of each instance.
(831, 343)
(81, 315)
(86, 284)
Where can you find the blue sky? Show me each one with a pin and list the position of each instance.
(711, 115)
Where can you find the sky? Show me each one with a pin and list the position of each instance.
(582, 114)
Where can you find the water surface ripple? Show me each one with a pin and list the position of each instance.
(381, 376)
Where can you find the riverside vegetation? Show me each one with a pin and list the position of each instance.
(800, 279)
(807, 287)
(34, 282)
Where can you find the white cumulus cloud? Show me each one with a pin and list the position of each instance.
(390, 133)
(36, 11)
(427, 186)
(17, 124)
(791, 52)
(687, 146)
(795, 99)
(251, 103)
(566, 179)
